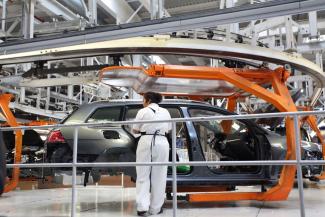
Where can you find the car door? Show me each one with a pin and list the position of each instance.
(220, 140)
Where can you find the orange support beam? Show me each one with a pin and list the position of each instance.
(280, 98)
(11, 120)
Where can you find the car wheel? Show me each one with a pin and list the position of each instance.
(2, 164)
(62, 155)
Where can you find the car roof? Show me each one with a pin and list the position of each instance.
(85, 109)
(124, 102)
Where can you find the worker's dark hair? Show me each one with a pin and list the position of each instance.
(152, 97)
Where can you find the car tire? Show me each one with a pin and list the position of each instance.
(62, 155)
(3, 169)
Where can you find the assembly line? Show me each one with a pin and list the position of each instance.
(188, 117)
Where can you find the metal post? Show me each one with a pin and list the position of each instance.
(48, 90)
(153, 9)
(4, 14)
(74, 172)
(28, 18)
(38, 99)
(92, 5)
(174, 169)
(299, 172)
(22, 95)
(289, 33)
(80, 96)
(122, 180)
(161, 8)
(313, 30)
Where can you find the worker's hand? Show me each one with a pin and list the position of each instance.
(135, 131)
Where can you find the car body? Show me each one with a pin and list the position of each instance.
(310, 151)
(213, 140)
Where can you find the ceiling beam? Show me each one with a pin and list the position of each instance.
(55, 8)
(191, 21)
(120, 10)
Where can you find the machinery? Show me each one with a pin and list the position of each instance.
(230, 83)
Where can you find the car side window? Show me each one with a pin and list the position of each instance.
(130, 115)
(105, 114)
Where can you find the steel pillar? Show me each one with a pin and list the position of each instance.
(28, 19)
(313, 24)
(92, 5)
(290, 42)
(4, 14)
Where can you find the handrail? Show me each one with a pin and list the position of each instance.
(298, 162)
(173, 120)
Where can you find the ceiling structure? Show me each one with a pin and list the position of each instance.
(291, 26)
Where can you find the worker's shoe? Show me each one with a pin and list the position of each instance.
(156, 213)
(142, 213)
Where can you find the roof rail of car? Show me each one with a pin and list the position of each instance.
(140, 100)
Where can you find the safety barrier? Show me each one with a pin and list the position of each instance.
(298, 162)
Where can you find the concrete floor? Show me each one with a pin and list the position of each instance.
(116, 201)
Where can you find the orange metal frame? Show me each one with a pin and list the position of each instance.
(248, 80)
(11, 121)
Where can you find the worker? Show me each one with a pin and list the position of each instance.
(152, 147)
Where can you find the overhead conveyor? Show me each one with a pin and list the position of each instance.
(165, 45)
(200, 19)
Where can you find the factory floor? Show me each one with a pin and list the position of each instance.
(100, 201)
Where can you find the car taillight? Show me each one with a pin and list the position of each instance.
(55, 137)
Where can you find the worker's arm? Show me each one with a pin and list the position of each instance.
(135, 131)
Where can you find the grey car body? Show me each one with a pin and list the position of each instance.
(196, 141)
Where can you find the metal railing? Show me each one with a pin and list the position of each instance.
(298, 162)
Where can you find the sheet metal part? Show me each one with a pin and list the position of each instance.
(139, 81)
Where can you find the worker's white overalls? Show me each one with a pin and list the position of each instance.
(151, 182)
